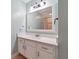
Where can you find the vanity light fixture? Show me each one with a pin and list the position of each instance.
(36, 5)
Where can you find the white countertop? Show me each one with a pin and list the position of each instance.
(48, 40)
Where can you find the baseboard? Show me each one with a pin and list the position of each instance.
(15, 54)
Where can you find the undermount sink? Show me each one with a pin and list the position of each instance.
(37, 35)
(46, 38)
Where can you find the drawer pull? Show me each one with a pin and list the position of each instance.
(24, 47)
(38, 53)
(45, 48)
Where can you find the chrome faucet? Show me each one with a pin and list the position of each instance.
(37, 35)
(55, 20)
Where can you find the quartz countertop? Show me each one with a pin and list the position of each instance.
(47, 40)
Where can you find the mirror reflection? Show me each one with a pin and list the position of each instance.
(40, 19)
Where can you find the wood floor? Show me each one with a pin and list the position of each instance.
(19, 57)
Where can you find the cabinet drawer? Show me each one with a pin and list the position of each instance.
(31, 43)
(47, 48)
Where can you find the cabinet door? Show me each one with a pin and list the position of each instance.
(44, 55)
(21, 46)
(30, 51)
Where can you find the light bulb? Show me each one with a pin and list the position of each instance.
(42, 4)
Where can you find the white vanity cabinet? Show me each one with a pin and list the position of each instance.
(30, 51)
(46, 51)
(36, 50)
(26, 48)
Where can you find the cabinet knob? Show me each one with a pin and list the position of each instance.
(24, 47)
(38, 53)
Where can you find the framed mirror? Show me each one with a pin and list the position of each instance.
(42, 20)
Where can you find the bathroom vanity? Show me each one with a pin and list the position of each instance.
(33, 47)
(43, 19)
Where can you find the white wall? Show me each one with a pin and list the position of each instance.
(63, 29)
(17, 22)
